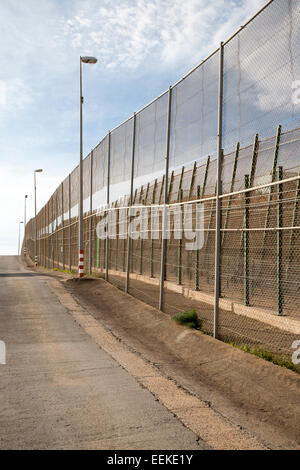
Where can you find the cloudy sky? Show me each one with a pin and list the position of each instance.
(143, 46)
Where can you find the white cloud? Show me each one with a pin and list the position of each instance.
(129, 33)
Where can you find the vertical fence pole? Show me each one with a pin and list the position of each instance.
(252, 175)
(52, 232)
(197, 251)
(273, 178)
(179, 254)
(56, 231)
(236, 156)
(166, 200)
(192, 180)
(254, 159)
(141, 202)
(179, 247)
(91, 210)
(294, 222)
(108, 216)
(70, 253)
(124, 240)
(130, 204)
(48, 235)
(152, 241)
(246, 242)
(279, 242)
(45, 235)
(62, 222)
(218, 193)
(117, 210)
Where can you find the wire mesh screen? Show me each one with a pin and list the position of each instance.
(172, 145)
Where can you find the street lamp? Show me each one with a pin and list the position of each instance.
(85, 60)
(35, 241)
(19, 238)
(25, 249)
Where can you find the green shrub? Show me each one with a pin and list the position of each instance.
(189, 319)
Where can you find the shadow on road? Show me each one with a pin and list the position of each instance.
(20, 274)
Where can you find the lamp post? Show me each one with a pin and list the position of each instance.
(85, 60)
(19, 237)
(35, 221)
(25, 249)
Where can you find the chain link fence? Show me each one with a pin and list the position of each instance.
(166, 156)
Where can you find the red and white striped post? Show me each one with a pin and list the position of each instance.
(35, 260)
(80, 263)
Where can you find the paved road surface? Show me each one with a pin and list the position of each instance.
(59, 389)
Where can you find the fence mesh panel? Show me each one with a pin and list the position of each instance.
(259, 297)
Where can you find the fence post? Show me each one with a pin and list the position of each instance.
(52, 231)
(179, 254)
(91, 210)
(236, 156)
(166, 200)
(63, 229)
(218, 192)
(152, 241)
(294, 222)
(179, 248)
(246, 242)
(107, 213)
(273, 178)
(56, 231)
(192, 180)
(70, 254)
(251, 179)
(279, 242)
(48, 233)
(130, 204)
(197, 251)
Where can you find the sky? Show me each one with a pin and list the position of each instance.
(142, 47)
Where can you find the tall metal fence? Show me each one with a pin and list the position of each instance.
(227, 136)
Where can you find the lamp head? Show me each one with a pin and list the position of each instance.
(88, 60)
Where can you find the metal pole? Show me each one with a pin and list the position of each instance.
(25, 249)
(62, 222)
(56, 232)
(197, 251)
(35, 221)
(218, 192)
(48, 235)
(91, 209)
(279, 242)
(19, 238)
(80, 208)
(70, 252)
(130, 203)
(166, 198)
(107, 202)
(246, 242)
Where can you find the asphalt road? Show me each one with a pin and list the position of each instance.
(58, 389)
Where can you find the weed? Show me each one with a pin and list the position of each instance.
(189, 319)
(269, 356)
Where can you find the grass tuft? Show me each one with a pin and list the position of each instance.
(188, 319)
(269, 356)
